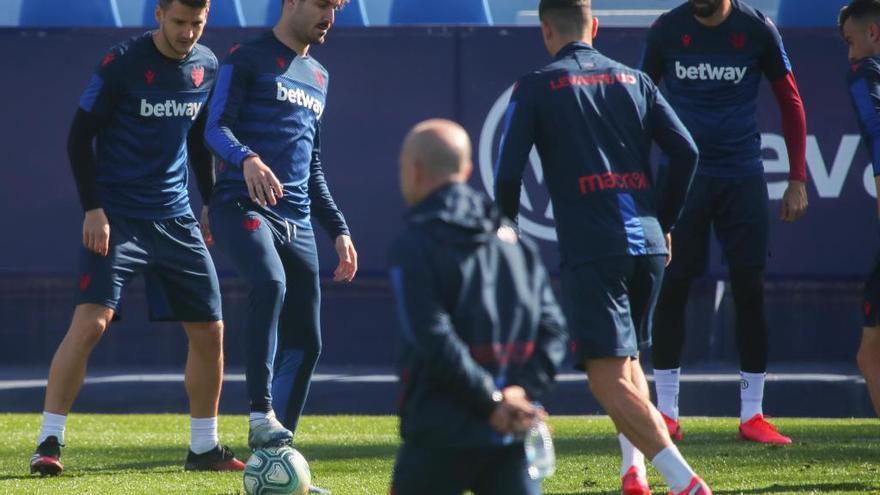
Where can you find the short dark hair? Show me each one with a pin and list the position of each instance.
(859, 10)
(196, 4)
(568, 16)
(341, 4)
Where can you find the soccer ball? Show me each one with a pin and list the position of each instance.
(277, 471)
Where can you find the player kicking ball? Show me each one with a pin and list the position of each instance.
(860, 28)
(265, 126)
(140, 120)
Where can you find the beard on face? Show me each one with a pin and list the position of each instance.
(705, 8)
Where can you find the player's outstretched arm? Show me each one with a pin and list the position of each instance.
(96, 107)
(233, 81)
(794, 129)
(202, 163)
(96, 227)
(653, 62)
(676, 142)
(348, 259)
(775, 65)
(325, 210)
(426, 327)
(513, 154)
(864, 90)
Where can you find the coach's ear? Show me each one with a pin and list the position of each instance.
(594, 29)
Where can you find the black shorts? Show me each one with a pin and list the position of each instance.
(871, 297)
(609, 305)
(481, 470)
(181, 281)
(737, 209)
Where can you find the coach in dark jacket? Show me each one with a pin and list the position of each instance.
(482, 335)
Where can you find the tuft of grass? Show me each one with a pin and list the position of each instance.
(354, 455)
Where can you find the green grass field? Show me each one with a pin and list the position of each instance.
(353, 455)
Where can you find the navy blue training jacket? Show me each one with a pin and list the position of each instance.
(593, 121)
(477, 314)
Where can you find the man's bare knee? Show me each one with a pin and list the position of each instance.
(90, 321)
(868, 356)
(206, 337)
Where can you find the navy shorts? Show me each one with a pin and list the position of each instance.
(481, 470)
(737, 209)
(609, 305)
(181, 281)
(871, 303)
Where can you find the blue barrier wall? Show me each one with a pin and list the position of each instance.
(383, 80)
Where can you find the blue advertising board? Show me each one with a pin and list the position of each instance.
(383, 80)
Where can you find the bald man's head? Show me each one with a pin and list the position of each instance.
(435, 152)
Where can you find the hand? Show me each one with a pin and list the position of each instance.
(96, 232)
(205, 225)
(348, 260)
(794, 201)
(515, 414)
(263, 186)
(507, 233)
(668, 249)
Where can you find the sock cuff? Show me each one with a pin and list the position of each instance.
(57, 417)
(753, 376)
(671, 451)
(203, 422)
(669, 372)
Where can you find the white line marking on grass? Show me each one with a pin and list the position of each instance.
(389, 378)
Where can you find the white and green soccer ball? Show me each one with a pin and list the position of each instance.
(277, 471)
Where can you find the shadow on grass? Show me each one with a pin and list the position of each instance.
(89, 461)
(817, 487)
(333, 452)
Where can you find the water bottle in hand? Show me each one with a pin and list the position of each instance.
(540, 454)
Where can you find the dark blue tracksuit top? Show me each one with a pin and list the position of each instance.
(477, 314)
(593, 121)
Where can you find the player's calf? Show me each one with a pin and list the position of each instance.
(869, 363)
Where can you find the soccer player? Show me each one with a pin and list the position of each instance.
(860, 27)
(138, 122)
(712, 54)
(593, 121)
(264, 124)
(482, 335)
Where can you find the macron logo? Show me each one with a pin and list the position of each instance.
(708, 72)
(299, 97)
(170, 108)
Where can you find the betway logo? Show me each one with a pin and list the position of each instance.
(709, 72)
(170, 108)
(299, 97)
